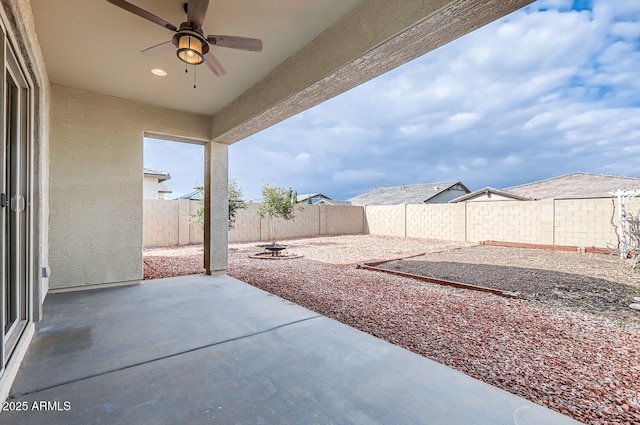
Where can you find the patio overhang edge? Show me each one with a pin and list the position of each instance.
(374, 38)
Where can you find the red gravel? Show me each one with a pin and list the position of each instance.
(579, 364)
(158, 267)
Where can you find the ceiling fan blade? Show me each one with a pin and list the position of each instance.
(240, 43)
(143, 14)
(214, 65)
(158, 49)
(196, 11)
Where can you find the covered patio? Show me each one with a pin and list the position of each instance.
(77, 99)
(211, 349)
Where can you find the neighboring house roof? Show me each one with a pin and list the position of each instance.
(196, 195)
(333, 202)
(160, 175)
(578, 185)
(409, 194)
(487, 192)
(305, 197)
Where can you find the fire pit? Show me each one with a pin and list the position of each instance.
(274, 252)
(275, 249)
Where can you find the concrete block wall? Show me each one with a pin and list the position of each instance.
(313, 220)
(305, 223)
(436, 221)
(587, 222)
(247, 225)
(510, 221)
(386, 220)
(168, 223)
(196, 233)
(575, 222)
(160, 224)
(341, 220)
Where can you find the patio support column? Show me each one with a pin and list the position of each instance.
(216, 207)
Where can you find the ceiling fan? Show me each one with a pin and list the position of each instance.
(192, 45)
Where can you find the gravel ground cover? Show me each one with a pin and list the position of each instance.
(580, 363)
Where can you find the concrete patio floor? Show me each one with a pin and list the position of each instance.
(214, 350)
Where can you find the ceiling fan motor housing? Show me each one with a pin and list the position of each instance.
(192, 46)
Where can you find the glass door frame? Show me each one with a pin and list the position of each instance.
(16, 219)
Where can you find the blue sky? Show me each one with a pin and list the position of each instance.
(551, 89)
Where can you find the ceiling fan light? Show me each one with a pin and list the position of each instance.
(190, 49)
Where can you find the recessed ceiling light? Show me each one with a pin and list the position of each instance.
(159, 72)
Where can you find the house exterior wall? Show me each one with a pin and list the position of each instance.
(17, 25)
(490, 197)
(150, 188)
(446, 196)
(96, 184)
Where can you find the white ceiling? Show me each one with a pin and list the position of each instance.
(94, 45)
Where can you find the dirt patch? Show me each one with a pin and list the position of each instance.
(549, 287)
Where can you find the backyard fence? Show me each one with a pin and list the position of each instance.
(167, 223)
(562, 222)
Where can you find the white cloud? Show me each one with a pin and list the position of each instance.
(626, 30)
(511, 160)
(356, 175)
(462, 120)
(303, 159)
(479, 162)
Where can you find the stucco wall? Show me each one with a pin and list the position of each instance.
(17, 25)
(20, 28)
(150, 188)
(96, 183)
(447, 195)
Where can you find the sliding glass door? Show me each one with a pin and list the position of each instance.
(14, 204)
